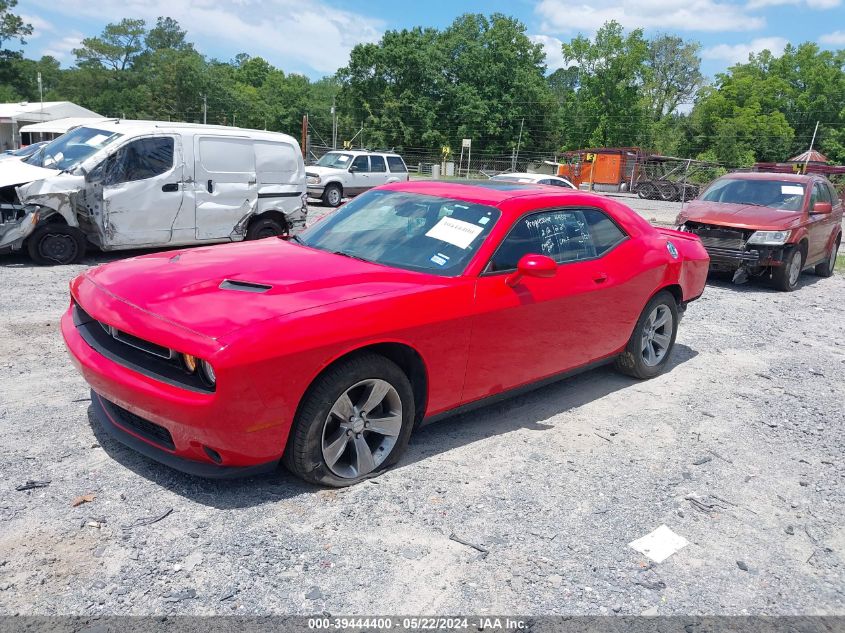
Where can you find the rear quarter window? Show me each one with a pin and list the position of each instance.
(227, 155)
(396, 164)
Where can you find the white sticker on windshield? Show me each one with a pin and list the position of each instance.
(456, 232)
(792, 190)
(342, 158)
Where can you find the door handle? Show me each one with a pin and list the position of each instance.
(600, 278)
(169, 187)
(210, 186)
(252, 181)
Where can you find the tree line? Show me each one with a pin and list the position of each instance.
(482, 77)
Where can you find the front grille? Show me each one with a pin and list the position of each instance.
(719, 237)
(144, 428)
(137, 354)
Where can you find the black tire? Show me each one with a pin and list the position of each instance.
(333, 195)
(56, 243)
(783, 277)
(260, 228)
(632, 361)
(304, 452)
(826, 268)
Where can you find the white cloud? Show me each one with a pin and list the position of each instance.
(286, 32)
(554, 54)
(813, 4)
(734, 53)
(837, 38)
(39, 25)
(562, 16)
(61, 48)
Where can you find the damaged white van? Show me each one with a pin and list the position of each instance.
(121, 184)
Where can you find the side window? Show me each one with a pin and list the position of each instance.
(558, 183)
(361, 164)
(834, 197)
(565, 236)
(545, 181)
(139, 160)
(604, 232)
(377, 163)
(396, 164)
(822, 194)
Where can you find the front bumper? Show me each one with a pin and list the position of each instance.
(316, 191)
(238, 428)
(115, 421)
(732, 259)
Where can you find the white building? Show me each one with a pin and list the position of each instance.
(15, 115)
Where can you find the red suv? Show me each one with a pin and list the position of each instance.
(767, 224)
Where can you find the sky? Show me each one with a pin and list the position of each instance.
(314, 37)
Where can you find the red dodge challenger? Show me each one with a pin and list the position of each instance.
(410, 302)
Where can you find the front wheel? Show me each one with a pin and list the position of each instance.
(826, 268)
(651, 344)
(333, 195)
(354, 422)
(786, 277)
(56, 244)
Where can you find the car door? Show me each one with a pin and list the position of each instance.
(820, 224)
(541, 327)
(359, 176)
(378, 171)
(225, 182)
(142, 191)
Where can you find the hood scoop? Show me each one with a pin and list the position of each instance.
(244, 286)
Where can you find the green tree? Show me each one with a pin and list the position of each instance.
(116, 48)
(12, 26)
(674, 74)
(167, 34)
(606, 107)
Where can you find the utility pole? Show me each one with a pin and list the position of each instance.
(812, 142)
(518, 144)
(204, 109)
(41, 93)
(334, 124)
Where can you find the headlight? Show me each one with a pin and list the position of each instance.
(769, 238)
(207, 372)
(681, 219)
(313, 180)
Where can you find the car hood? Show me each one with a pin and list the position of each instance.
(323, 171)
(184, 287)
(744, 216)
(17, 172)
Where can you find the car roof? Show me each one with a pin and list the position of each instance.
(525, 175)
(489, 192)
(770, 175)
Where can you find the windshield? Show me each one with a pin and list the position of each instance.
(405, 230)
(335, 159)
(23, 152)
(777, 194)
(72, 148)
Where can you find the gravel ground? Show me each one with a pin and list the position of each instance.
(738, 448)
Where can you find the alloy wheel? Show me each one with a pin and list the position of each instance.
(794, 268)
(657, 335)
(362, 428)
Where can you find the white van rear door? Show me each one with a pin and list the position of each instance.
(226, 184)
(142, 191)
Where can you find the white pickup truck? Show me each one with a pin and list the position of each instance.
(347, 173)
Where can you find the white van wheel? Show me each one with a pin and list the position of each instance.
(265, 227)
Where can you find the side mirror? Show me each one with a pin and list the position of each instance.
(352, 169)
(533, 266)
(823, 208)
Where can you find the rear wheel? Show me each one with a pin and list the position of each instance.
(354, 422)
(56, 244)
(826, 268)
(786, 277)
(651, 344)
(333, 195)
(264, 227)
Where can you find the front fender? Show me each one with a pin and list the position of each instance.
(53, 195)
